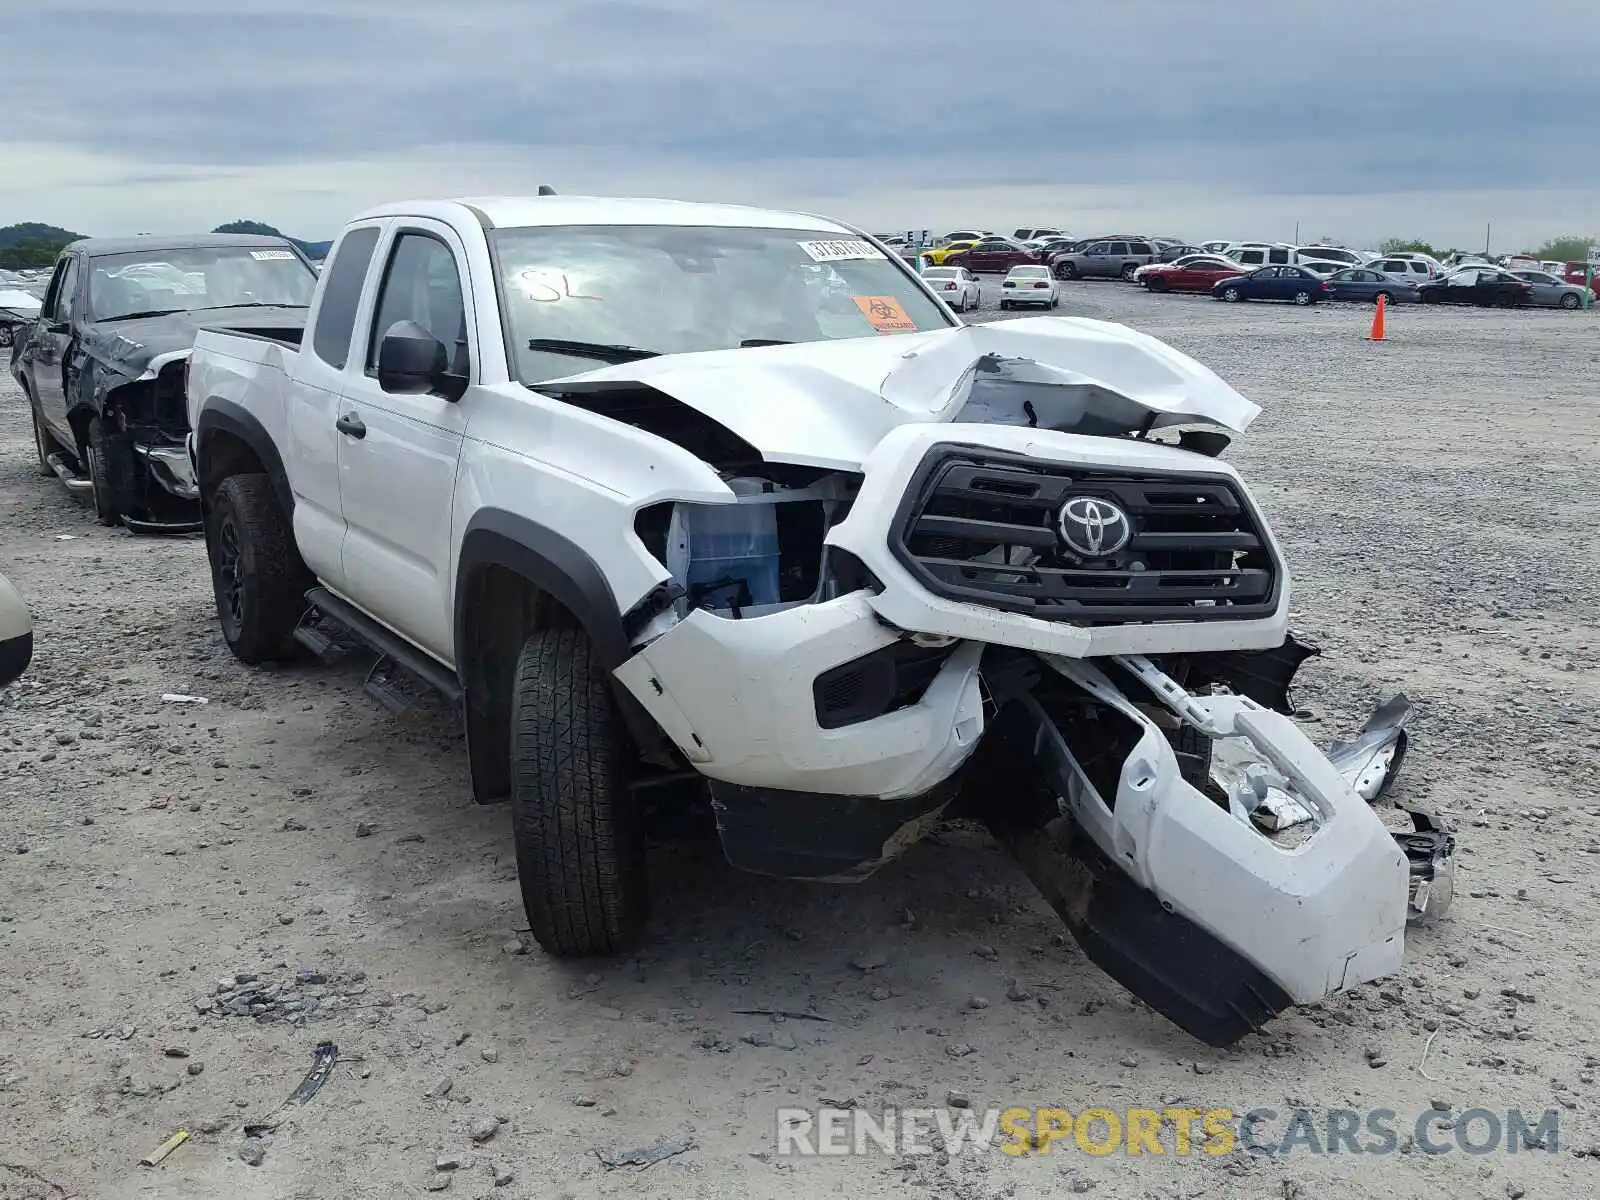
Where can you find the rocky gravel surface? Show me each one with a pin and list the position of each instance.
(195, 897)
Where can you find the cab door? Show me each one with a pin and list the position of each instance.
(398, 451)
(49, 348)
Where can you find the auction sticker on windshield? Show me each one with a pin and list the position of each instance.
(271, 255)
(839, 251)
(884, 314)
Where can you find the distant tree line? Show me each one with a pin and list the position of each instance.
(29, 244)
(1569, 247)
(32, 245)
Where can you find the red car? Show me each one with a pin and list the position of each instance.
(1576, 273)
(1192, 273)
(996, 254)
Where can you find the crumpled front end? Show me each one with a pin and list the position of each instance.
(961, 612)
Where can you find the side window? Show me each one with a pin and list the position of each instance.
(1139, 248)
(1278, 256)
(61, 295)
(341, 293)
(1117, 248)
(422, 284)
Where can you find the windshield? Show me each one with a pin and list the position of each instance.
(197, 277)
(675, 289)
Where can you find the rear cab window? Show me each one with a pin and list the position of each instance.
(343, 280)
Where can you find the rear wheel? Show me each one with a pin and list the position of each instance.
(112, 471)
(579, 836)
(256, 571)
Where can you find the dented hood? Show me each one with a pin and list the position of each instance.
(827, 404)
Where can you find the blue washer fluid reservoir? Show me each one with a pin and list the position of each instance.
(726, 555)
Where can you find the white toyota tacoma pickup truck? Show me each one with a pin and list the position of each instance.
(658, 490)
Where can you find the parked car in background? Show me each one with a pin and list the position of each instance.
(16, 634)
(1107, 259)
(1172, 251)
(1484, 286)
(1218, 245)
(1261, 254)
(1030, 286)
(1415, 271)
(956, 286)
(1319, 268)
(1194, 273)
(1550, 291)
(962, 235)
(18, 308)
(1293, 284)
(1028, 235)
(1363, 284)
(939, 255)
(1338, 254)
(1576, 273)
(998, 254)
(102, 367)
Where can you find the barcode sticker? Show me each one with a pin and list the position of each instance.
(271, 255)
(840, 251)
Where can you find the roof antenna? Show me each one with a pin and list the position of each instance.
(546, 190)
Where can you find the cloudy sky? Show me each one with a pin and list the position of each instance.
(1359, 119)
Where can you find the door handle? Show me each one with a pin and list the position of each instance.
(351, 425)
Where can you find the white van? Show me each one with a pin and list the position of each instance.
(1261, 254)
(1336, 254)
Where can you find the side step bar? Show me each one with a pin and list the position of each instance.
(74, 482)
(387, 644)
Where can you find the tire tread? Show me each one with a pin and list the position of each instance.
(580, 847)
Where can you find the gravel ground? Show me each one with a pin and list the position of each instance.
(181, 885)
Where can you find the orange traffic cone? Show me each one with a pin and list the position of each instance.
(1377, 321)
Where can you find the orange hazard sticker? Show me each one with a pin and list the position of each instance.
(885, 314)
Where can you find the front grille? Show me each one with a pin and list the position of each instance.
(981, 526)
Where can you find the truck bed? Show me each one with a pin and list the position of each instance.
(247, 369)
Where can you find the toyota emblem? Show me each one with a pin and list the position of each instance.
(1093, 528)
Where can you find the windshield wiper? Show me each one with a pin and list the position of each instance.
(154, 312)
(602, 351)
(749, 342)
(260, 304)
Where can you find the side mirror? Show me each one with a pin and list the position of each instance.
(411, 361)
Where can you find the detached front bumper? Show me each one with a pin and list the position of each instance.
(1203, 916)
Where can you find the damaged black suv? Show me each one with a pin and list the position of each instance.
(102, 365)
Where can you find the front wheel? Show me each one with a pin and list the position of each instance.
(1302, 297)
(1571, 300)
(257, 573)
(1128, 270)
(1155, 283)
(112, 472)
(1232, 295)
(1385, 297)
(579, 835)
